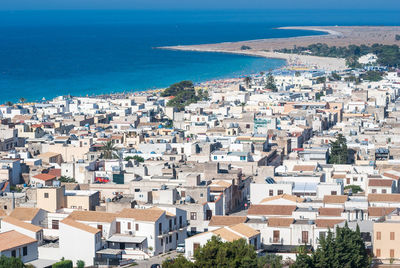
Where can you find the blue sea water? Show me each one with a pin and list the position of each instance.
(51, 53)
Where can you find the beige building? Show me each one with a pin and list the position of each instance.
(387, 239)
(55, 198)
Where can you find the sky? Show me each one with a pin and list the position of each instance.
(198, 4)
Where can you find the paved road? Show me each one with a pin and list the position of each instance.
(156, 260)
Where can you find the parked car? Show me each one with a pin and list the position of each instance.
(180, 248)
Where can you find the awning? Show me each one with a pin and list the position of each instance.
(126, 239)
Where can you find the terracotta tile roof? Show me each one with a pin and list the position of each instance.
(44, 177)
(2, 213)
(244, 230)
(92, 216)
(392, 176)
(380, 183)
(14, 239)
(226, 220)
(21, 224)
(283, 196)
(81, 226)
(226, 234)
(220, 183)
(379, 211)
(169, 214)
(330, 211)
(141, 214)
(322, 223)
(270, 210)
(25, 214)
(304, 168)
(280, 222)
(339, 176)
(55, 172)
(384, 198)
(335, 199)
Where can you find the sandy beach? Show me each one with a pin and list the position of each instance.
(335, 36)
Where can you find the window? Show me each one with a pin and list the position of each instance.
(25, 251)
(193, 216)
(215, 157)
(333, 193)
(170, 238)
(137, 227)
(177, 237)
(391, 235)
(129, 225)
(374, 191)
(378, 235)
(280, 192)
(201, 195)
(322, 235)
(271, 192)
(383, 191)
(162, 242)
(392, 253)
(247, 125)
(46, 195)
(160, 228)
(378, 252)
(195, 246)
(14, 253)
(100, 227)
(243, 158)
(54, 224)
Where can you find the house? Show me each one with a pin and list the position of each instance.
(103, 221)
(42, 179)
(33, 231)
(381, 186)
(29, 215)
(227, 234)
(79, 241)
(17, 245)
(387, 239)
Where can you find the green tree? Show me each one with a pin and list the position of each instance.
(80, 264)
(22, 100)
(354, 188)
(137, 158)
(66, 179)
(303, 260)
(335, 77)
(271, 83)
(109, 150)
(269, 261)
(6, 262)
(9, 103)
(344, 250)
(321, 80)
(63, 264)
(247, 81)
(338, 151)
(178, 262)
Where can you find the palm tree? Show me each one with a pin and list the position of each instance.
(9, 103)
(247, 80)
(109, 150)
(22, 100)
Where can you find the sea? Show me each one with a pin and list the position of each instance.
(44, 54)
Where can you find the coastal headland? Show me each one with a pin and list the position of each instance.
(335, 36)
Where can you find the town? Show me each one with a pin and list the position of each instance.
(279, 159)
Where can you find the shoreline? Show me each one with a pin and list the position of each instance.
(335, 36)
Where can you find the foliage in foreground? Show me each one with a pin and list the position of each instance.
(345, 249)
(137, 158)
(225, 254)
(63, 264)
(6, 262)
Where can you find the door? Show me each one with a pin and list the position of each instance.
(304, 237)
(118, 231)
(276, 237)
(208, 214)
(195, 246)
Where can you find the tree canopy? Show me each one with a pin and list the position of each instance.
(217, 253)
(271, 83)
(6, 262)
(345, 249)
(338, 153)
(184, 94)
